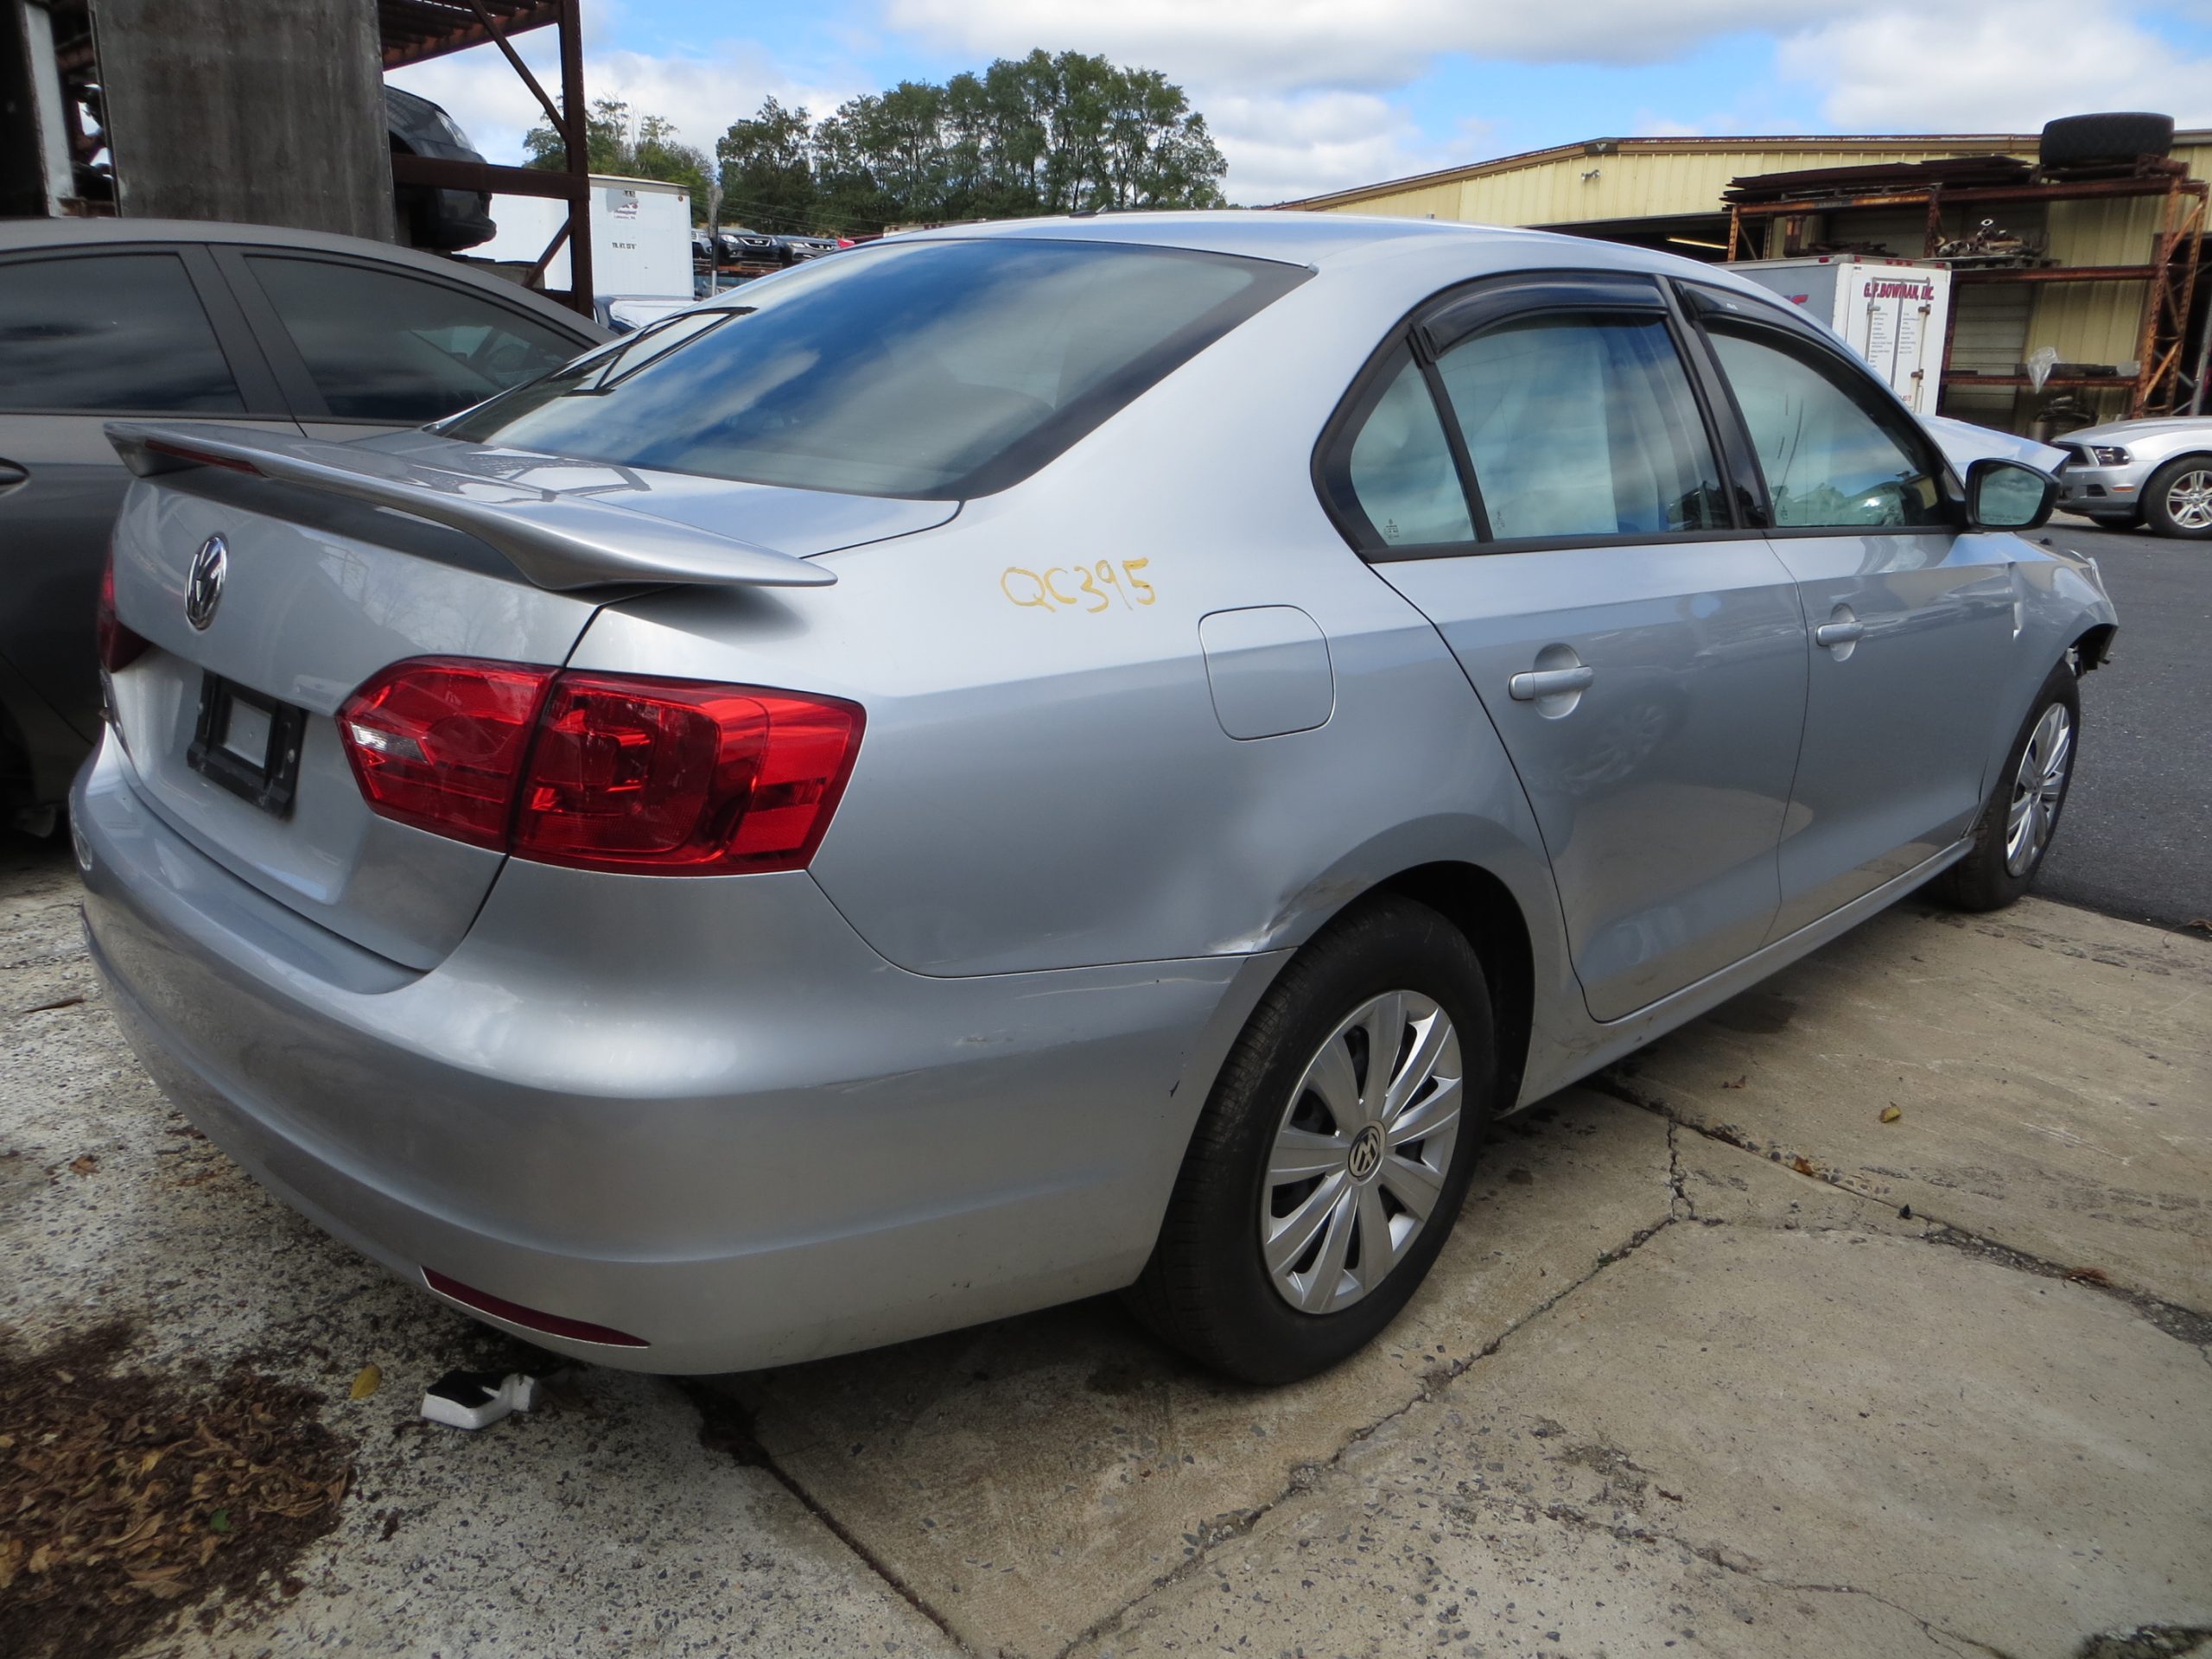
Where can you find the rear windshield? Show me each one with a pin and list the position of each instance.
(932, 369)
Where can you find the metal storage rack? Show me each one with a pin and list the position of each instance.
(2169, 278)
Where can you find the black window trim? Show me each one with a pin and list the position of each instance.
(261, 396)
(306, 399)
(1473, 306)
(1795, 335)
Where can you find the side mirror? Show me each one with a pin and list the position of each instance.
(2006, 495)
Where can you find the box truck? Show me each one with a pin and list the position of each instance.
(640, 237)
(1894, 313)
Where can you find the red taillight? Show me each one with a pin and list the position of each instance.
(119, 646)
(438, 742)
(602, 771)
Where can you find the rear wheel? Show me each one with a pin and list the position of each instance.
(1334, 1153)
(2016, 827)
(2177, 501)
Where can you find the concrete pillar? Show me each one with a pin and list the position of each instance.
(263, 114)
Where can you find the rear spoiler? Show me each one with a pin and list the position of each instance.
(556, 539)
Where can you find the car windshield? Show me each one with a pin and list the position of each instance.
(929, 369)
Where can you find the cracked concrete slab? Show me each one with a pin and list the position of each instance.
(1026, 1479)
(1752, 1437)
(2050, 1068)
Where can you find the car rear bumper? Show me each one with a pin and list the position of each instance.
(701, 1111)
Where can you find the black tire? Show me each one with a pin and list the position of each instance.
(1206, 1289)
(1982, 880)
(2158, 512)
(2114, 135)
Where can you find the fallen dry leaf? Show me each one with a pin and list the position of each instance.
(2089, 1276)
(1890, 1114)
(366, 1382)
(85, 1164)
(1804, 1167)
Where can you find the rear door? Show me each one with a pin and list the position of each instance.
(1569, 527)
(360, 347)
(88, 335)
(1911, 619)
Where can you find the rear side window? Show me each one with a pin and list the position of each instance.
(1401, 470)
(1830, 461)
(380, 346)
(1583, 426)
(928, 369)
(116, 333)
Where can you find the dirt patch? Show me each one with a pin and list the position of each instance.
(125, 1496)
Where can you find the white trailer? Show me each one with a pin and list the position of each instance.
(640, 237)
(1894, 313)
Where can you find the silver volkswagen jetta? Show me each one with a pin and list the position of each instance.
(1039, 759)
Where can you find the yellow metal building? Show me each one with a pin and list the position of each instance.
(1669, 193)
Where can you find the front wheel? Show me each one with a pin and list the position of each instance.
(2017, 825)
(2177, 501)
(1334, 1153)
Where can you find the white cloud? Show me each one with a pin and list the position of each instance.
(702, 93)
(1280, 148)
(1307, 44)
(1987, 69)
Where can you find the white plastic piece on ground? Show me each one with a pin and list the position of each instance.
(466, 1400)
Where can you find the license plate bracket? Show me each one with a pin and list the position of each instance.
(248, 743)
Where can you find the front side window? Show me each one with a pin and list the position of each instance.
(382, 345)
(934, 369)
(1583, 425)
(1829, 461)
(110, 334)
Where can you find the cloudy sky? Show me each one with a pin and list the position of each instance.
(1305, 95)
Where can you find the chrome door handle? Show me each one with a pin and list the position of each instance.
(1838, 633)
(1550, 682)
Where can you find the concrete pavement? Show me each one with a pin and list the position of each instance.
(1665, 1393)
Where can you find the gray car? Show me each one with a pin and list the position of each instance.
(2156, 473)
(1038, 759)
(288, 331)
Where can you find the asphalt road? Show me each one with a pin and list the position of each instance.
(2136, 840)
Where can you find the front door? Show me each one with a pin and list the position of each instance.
(1911, 620)
(1640, 654)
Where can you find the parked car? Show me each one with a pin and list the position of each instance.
(799, 248)
(287, 330)
(440, 221)
(926, 810)
(748, 248)
(2156, 473)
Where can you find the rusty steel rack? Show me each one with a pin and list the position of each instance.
(413, 31)
(2169, 278)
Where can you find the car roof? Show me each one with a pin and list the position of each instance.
(1321, 240)
(30, 235)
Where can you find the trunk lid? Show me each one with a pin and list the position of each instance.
(341, 560)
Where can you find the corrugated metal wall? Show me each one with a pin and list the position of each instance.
(1997, 325)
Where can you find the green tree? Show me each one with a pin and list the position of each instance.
(630, 146)
(767, 170)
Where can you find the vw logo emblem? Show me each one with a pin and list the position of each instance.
(203, 584)
(1366, 1154)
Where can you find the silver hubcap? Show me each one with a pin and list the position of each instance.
(1360, 1155)
(2189, 500)
(2037, 789)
